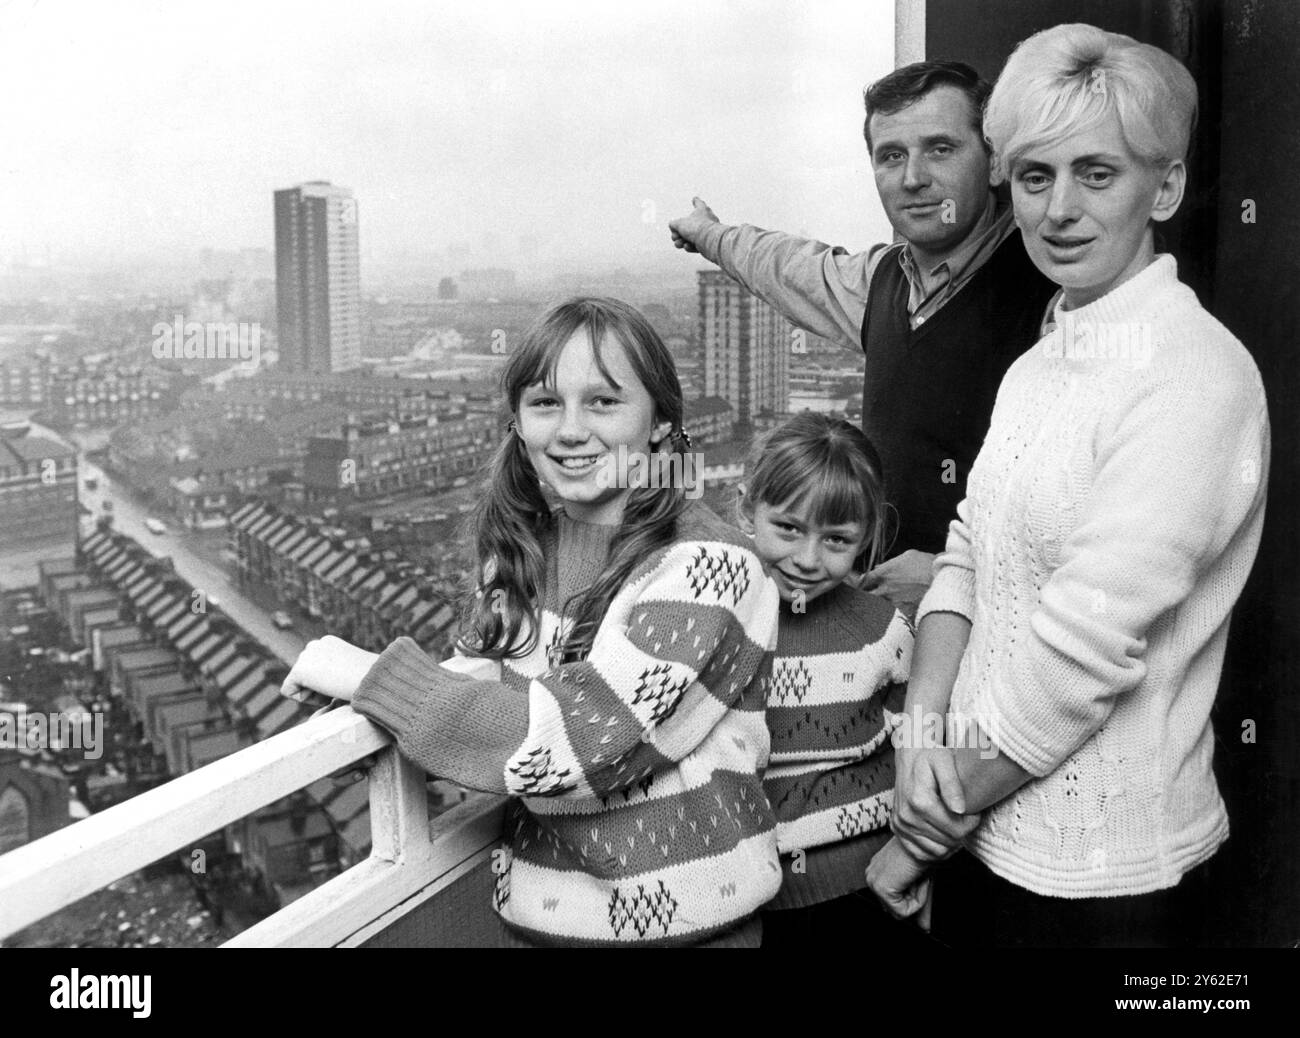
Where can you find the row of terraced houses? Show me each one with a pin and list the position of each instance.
(197, 688)
(363, 597)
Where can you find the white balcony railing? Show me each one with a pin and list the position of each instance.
(410, 860)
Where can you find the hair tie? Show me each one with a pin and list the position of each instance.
(510, 426)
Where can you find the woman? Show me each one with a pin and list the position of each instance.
(1079, 613)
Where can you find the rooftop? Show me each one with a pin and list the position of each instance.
(33, 448)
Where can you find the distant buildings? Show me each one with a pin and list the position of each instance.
(317, 278)
(289, 435)
(690, 364)
(724, 467)
(390, 337)
(275, 392)
(220, 448)
(371, 458)
(108, 395)
(488, 283)
(201, 493)
(708, 420)
(746, 348)
(38, 488)
(25, 382)
(198, 462)
(100, 392)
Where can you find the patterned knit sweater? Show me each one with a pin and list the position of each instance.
(1111, 520)
(641, 818)
(839, 665)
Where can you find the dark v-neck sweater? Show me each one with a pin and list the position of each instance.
(928, 392)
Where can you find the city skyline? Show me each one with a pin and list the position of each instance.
(569, 135)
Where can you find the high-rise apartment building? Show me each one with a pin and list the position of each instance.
(746, 348)
(317, 278)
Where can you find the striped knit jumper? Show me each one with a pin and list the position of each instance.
(641, 818)
(839, 666)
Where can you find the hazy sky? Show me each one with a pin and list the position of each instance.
(133, 127)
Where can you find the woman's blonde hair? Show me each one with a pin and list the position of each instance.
(1065, 80)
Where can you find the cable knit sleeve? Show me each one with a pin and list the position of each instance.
(680, 644)
(816, 286)
(1178, 474)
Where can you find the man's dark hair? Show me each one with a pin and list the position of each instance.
(907, 85)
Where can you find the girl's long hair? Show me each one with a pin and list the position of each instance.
(502, 617)
(830, 465)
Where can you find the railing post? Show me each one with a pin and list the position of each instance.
(399, 812)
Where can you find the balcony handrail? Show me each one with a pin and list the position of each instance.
(59, 869)
(408, 862)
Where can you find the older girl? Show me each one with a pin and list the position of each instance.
(631, 625)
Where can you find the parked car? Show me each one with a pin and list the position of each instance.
(282, 620)
(155, 525)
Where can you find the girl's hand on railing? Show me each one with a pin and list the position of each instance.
(328, 666)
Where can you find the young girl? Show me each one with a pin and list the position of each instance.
(631, 625)
(815, 506)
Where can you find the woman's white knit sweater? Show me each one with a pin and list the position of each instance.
(1110, 522)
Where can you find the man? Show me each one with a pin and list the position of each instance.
(940, 316)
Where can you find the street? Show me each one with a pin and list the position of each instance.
(197, 556)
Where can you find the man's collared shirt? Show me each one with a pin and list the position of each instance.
(824, 288)
(930, 289)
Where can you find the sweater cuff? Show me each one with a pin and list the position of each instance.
(452, 725)
(393, 687)
(1013, 739)
(953, 591)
